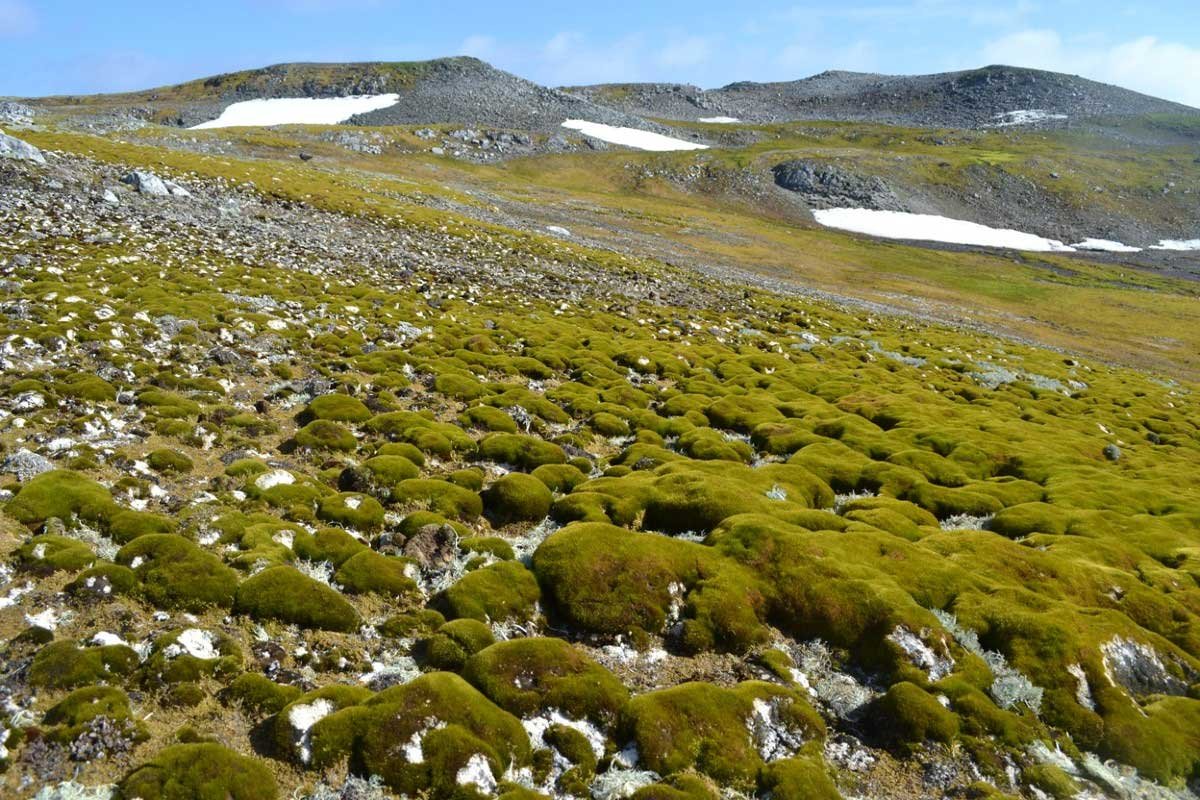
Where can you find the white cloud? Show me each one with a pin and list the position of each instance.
(1145, 64)
(16, 18)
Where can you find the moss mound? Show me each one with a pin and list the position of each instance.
(285, 594)
(199, 772)
(517, 497)
(526, 676)
(712, 730)
(173, 572)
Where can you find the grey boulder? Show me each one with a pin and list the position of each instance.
(12, 147)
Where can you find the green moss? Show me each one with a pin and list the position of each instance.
(608, 580)
(87, 387)
(63, 494)
(246, 468)
(166, 460)
(169, 662)
(492, 545)
(323, 434)
(64, 665)
(474, 723)
(199, 771)
(450, 646)
(404, 450)
(125, 526)
(912, 716)
(173, 572)
(704, 727)
(607, 424)
(469, 478)
(800, 778)
(460, 387)
(488, 418)
(328, 544)
(336, 407)
(258, 694)
(494, 593)
(81, 706)
(440, 497)
(1052, 780)
(53, 553)
(560, 478)
(517, 497)
(329, 741)
(184, 695)
(284, 594)
(104, 580)
(521, 451)
(369, 572)
(352, 510)
(530, 675)
(380, 475)
(412, 624)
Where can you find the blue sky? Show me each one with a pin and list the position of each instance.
(73, 46)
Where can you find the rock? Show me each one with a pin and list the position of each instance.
(14, 148)
(110, 197)
(225, 356)
(25, 465)
(147, 183)
(1112, 452)
(433, 547)
(15, 113)
(828, 185)
(305, 156)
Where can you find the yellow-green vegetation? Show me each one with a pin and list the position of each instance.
(412, 515)
(199, 770)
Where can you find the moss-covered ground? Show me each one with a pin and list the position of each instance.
(432, 533)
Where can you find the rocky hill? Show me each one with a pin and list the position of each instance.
(459, 91)
(970, 99)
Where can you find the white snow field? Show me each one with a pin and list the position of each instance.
(631, 137)
(1106, 246)
(1025, 117)
(720, 120)
(1177, 244)
(932, 228)
(298, 111)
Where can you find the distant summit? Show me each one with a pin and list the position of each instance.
(976, 98)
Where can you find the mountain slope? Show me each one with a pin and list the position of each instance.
(459, 91)
(968, 99)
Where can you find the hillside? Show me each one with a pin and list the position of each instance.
(968, 99)
(401, 458)
(462, 90)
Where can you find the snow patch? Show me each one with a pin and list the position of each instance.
(720, 120)
(631, 137)
(1025, 116)
(1177, 244)
(1106, 246)
(298, 111)
(932, 228)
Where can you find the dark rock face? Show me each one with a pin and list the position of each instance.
(831, 186)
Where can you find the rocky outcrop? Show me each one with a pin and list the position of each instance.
(15, 113)
(825, 185)
(12, 147)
